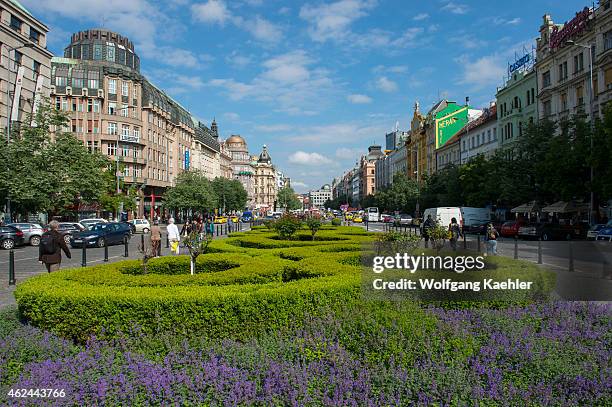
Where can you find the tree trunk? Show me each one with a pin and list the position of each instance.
(193, 261)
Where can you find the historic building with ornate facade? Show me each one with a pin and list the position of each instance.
(265, 182)
(241, 164)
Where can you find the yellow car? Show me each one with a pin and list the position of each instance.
(235, 218)
(358, 219)
(220, 219)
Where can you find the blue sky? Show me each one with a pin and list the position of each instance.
(316, 81)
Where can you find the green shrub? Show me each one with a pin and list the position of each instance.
(336, 222)
(287, 225)
(314, 224)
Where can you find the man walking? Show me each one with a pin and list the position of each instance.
(156, 238)
(173, 236)
(50, 248)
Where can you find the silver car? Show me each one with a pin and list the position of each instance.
(31, 232)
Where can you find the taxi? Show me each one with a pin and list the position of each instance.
(358, 219)
(348, 216)
(220, 219)
(235, 218)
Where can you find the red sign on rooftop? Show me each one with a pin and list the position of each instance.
(576, 25)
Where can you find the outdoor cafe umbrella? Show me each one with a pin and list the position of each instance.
(566, 207)
(526, 208)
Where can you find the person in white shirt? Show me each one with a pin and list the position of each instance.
(173, 236)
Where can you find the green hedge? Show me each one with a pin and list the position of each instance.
(249, 283)
(236, 291)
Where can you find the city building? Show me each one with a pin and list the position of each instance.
(563, 64)
(479, 137)
(395, 139)
(25, 63)
(450, 153)
(383, 171)
(242, 168)
(320, 196)
(416, 149)
(398, 161)
(355, 196)
(516, 101)
(264, 182)
(367, 167)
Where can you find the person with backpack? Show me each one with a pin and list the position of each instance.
(491, 237)
(173, 236)
(156, 238)
(428, 225)
(455, 233)
(51, 246)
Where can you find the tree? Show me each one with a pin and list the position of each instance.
(193, 191)
(286, 199)
(401, 196)
(314, 224)
(49, 170)
(231, 195)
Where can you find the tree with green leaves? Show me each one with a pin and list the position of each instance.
(287, 200)
(48, 170)
(231, 195)
(192, 192)
(401, 196)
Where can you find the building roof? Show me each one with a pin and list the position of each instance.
(264, 157)
(235, 139)
(21, 7)
(487, 116)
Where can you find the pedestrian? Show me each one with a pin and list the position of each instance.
(230, 224)
(173, 236)
(186, 229)
(51, 246)
(210, 227)
(491, 238)
(428, 225)
(455, 233)
(156, 238)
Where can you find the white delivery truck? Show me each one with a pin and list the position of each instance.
(475, 216)
(443, 215)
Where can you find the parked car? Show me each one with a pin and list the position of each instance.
(386, 218)
(31, 232)
(605, 233)
(511, 228)
(68, 229)
(140, 225)
(402, 220)
(358, 219)
(443, 215)
(550, 231)
(220, 219)
(235, 218)
(10, 237)
(594, 230)
(88, 223)
(247, 216)
(102, 234)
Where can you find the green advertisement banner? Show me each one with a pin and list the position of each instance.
(449, 122)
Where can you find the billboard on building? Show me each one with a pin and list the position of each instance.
(449, 122)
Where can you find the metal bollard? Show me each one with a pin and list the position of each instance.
(12, 280)
(142, 242)
(464, 242)
(84, 255)
(105, 252)
(167, 241)
(478, 239)
(217, 229)
(126, 246)
(515, 247)
(571, 257)
(539, 251)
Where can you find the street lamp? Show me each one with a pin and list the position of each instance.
(591, 100)
(8, 124)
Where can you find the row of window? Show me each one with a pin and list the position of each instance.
(126, 131)
(125, 88)
(17, 25)
(578, 67)
(124, 150)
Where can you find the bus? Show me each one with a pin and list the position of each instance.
(372, 214)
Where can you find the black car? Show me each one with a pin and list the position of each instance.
(10, 237)
(476, 228)
(551, 231)
(102, 234)
(69, 229)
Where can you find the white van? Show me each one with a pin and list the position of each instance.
(444, 215)
(475, 216)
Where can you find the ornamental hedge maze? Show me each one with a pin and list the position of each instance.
(270, 321)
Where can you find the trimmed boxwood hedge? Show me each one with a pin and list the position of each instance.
(248, 283)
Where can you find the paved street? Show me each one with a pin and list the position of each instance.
(27, 264)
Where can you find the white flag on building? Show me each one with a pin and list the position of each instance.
(37, 98)
(17, 95)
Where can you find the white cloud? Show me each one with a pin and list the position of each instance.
(310, 159)
(455, 8)
(467, 41)
(359, 99)
(392, 68)
(346, 153)
(339, 133)
(482, 72)
(232, 116)
(288, 68)
(213, 11)
(273, 128)
(421, 16)
(504, 21)
(298, 184)
(332, 21)
(284, 11)
(264, 30)
(386, 85)
(237, 60)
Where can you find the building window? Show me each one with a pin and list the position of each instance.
(58, 102)
(35, 69)
(579, 95)
(546, 105)
(546, 79)
(137, 132)
(96, 106)
(124, 89)
(112, 128)
(89, 105)
(563, 101)
(97, 52)
(112, 108)
(111, 149)
(608, 78)
(34, 36)
(494, 133)
(126, 171)
(125, 130)
(579, 62)
(124, 110)
(110, 51)
(125, 150)
(112, 86)
(608, 40)
(16, 23)
(65, 104)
